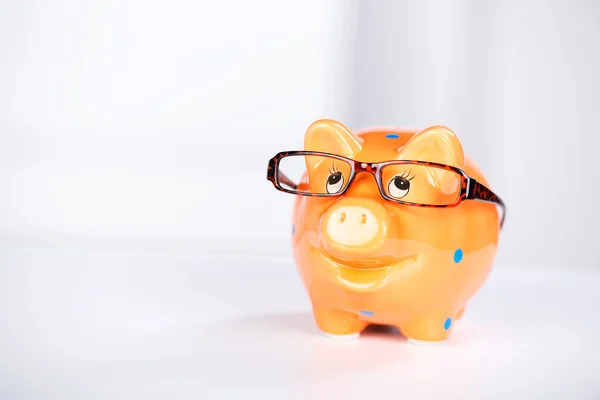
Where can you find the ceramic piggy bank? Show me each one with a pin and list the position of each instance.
(390, 226)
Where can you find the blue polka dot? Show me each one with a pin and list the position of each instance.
(447, 323)
(458, 255)
(367, 313)
(392, 136)
(293, 228)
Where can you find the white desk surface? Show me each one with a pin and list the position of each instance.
(91, 325)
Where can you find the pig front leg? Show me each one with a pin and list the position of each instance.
(338, 324)
(428, 329)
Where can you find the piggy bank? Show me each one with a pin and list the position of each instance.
(389, 227)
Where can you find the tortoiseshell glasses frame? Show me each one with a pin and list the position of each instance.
(470, 189)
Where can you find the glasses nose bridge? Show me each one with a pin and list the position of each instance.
(370, 169)
(366, 167)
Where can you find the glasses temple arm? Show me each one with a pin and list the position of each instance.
(285, 180)
(274, 174)
(478, 191)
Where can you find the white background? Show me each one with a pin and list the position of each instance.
(148, 125)
(134, 139)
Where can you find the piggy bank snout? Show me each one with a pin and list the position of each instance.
(354, 225)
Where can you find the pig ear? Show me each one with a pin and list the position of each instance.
(435, 144)
(330, 136)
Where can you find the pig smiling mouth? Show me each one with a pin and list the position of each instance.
(366, 274)
(367, 263)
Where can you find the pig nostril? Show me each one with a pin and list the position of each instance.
(342, 217)
(363, 219)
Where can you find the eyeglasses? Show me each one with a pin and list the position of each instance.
(408, 182)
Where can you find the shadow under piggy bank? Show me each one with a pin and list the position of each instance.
(278, 349)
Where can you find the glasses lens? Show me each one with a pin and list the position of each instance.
(317, 174)
(421, 184)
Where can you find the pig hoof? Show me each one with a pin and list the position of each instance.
(338, 323)
(348, 336)
(428, 343)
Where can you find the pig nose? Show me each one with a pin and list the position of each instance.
(352, 226)
(354, 223)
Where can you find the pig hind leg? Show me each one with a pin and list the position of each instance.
(428, 329)
(461, 312)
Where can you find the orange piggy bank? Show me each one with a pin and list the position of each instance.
(390, 227)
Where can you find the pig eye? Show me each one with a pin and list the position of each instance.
(399, 187)
(335, 182)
